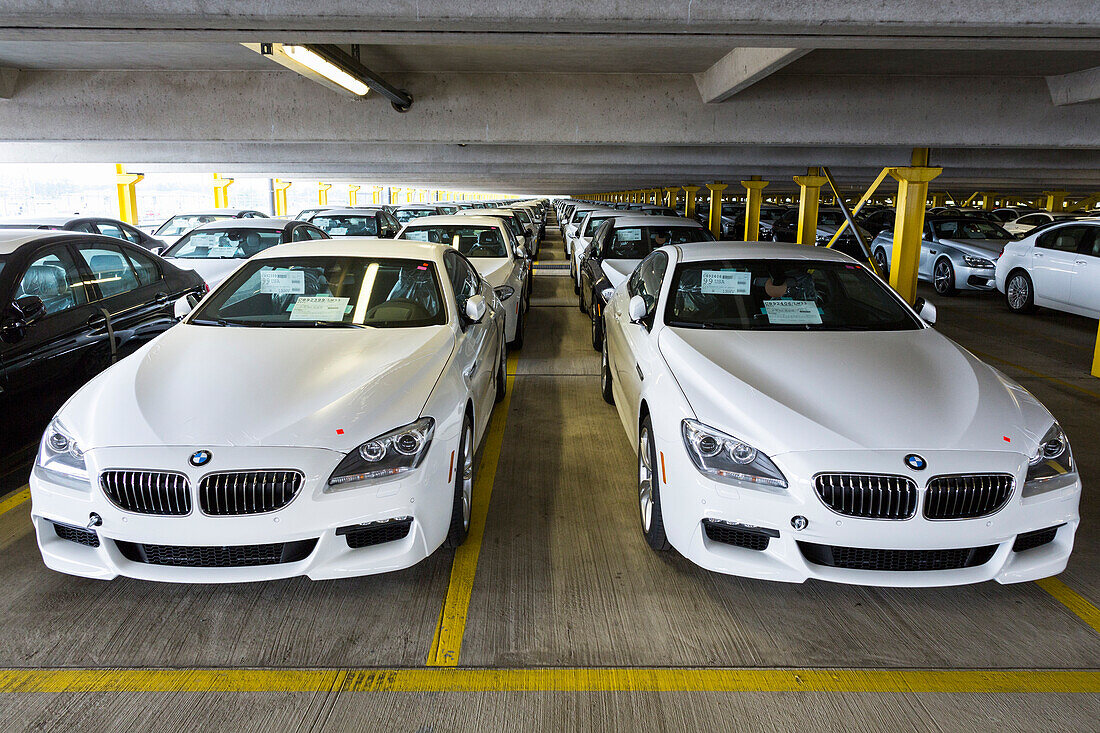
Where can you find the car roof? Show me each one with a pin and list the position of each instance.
(702, 251)
(489, 212)
(12, 239)
(415, 206)
(209, 212)
(357, 247)
(637, 220)
(351, 210)
(37, 221)
(479, 218)
(255, 223)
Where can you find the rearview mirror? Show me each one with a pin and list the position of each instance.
(925, 310)
(185, 305)
(30, 308)
(636, 308)
(475, 308)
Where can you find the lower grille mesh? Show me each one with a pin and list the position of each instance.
(225, 556)
(1031, 540)
(368, 535)
(78, 535)
(863, 558)
(730, 534)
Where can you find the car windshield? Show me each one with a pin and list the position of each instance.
(448, 209)
(184, 223)
(660, 212)
(404, 215)
(341, 225)
(472, 241)
(593, 224)
(523, 216)
(634, 243)
(327, 292)
(224, 244)
(968, 229)
(783, 295)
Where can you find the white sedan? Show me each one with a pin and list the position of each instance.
(794, 418)
(317, 414)
(1057, 266)
(488, 242)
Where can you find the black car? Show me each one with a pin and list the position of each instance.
(877, 220)
(88, 225)
(74, 304)
(357, 222)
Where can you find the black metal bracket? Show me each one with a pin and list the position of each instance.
(399, 98)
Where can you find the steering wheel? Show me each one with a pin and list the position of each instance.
(409, 310)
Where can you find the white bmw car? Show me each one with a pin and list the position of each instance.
(317, 414)
(488, 242)
(794, 418)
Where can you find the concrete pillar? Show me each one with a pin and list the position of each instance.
(221, 191)
(909, 223)
(755, 188)
(1056, 200)
(714, 221)
(353, 195)
(279, 194)
(939, 199)
(670, 196)
(989, 201)
(690, 194)
(126, 183)
(808, 201)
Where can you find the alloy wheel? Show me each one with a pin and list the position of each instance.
(1018, 292)
(468, 478)
(941, 277)
(645, 480)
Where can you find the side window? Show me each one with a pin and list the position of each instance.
(1032, 220)
(114, 230)
(110, 269)
(1063, 239)
(54, 278)
(144, 266)
(464, 280)
(650, 274)
(300, 234)
(315, 233)
(84, 226)
(1090, 243)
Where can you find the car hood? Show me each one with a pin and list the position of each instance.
(988, 248)
(618, 271)
(494, 269)
(229, 386)
(896, 390)
(213, 271)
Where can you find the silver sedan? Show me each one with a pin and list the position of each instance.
(956, 253)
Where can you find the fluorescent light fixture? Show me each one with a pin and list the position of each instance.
(325, 68)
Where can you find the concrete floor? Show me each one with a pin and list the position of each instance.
(564, 579)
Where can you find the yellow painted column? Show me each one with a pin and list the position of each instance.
(670, 196)
(988, 201)
(1096, 356)
(376, 194)
(690, 194)
(221, 191)
(909, 223)
(755, 196)
(939, 199)
(353, 195)
(322, 193)
(809, 199)
(1056, 200)
(280, 196)
(127, 193)
(715, 219)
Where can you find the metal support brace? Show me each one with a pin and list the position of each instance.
(755, 188)
(909, 223)
(127, 193)
(714, 221)
(809, 199)
(221, 191)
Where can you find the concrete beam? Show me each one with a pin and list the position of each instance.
(741, 68)
(1080, 86)
(8, 78)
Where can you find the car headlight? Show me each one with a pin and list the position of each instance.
(61, 456)
(1051, 466)
(504, 292)
(729, 460)
(390, 454)
(977, 261)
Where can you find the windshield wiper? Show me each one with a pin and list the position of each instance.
(316, 324)
(220, 322)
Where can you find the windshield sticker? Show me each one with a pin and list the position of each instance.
(223, 250)
(792, 312)
(338, 231)
(319, 308)
(417, 236)
(629, 235)
(726, 282)
(283, 282)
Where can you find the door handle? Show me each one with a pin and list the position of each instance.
(1036, 254)
(95, 319)
(1080, 262)
(160, 298)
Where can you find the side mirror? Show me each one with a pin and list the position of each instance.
(530, 231)
(636, 308)
(521, 251)
(475, 308)
(30, 308)
(925, 310)
(185, 305)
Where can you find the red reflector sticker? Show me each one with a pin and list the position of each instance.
(1006, 438)
(339, 431)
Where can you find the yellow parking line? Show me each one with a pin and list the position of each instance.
(15, 499)
(447, 640)
(1072, 600)
(1034, 373)
(603, 679)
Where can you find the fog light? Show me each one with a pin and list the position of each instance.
(799, 523)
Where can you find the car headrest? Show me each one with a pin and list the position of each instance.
(101, 263)
(45, 281)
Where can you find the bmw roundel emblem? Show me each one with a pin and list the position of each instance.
(915, 462)
(202, 457)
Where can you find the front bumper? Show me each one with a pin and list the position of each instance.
(424, 495)
(689, 498)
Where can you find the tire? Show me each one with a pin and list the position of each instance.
(605, 375)
(462, 506)
(882, 262)
(597, 327)
(502, 375)
(943, 277)
(517, 343)
(649, 490)
(573, 274)
(580, 301)
(1020, 292)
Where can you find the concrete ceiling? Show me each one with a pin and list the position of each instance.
(558, 96)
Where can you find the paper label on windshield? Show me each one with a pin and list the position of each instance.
(338, 231)
(420, 236)
(629, 235)
(318, 308)
(223, 250)
(792, 312)
(283, 282)
(726, 282)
